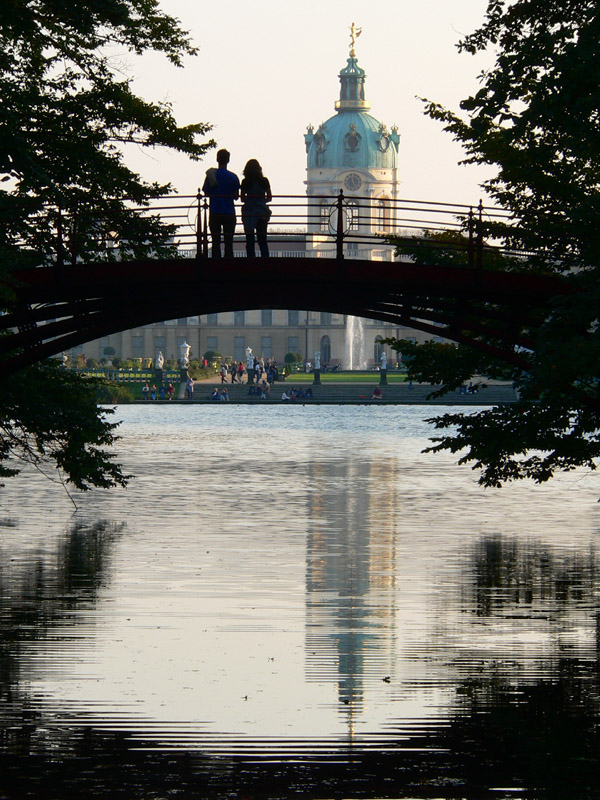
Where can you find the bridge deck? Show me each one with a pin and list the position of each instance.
(60, 307)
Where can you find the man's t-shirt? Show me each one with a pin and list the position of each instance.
(224, 192)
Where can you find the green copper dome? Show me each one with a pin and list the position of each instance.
(352, 137)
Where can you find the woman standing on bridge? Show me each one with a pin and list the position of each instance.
(256, 193)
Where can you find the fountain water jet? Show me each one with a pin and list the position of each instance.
(355, 345)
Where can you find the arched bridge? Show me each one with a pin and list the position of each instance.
(353, 272)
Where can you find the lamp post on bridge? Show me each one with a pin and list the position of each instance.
(339, 233)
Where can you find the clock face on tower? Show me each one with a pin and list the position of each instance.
(352, 181)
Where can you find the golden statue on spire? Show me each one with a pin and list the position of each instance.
(354, 34)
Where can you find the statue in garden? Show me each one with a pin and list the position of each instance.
(317, 360)
(383, 361)
(184, 354)
(159, 361)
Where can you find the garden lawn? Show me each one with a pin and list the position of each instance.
(346, 377)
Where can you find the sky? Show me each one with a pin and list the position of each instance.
(268, 68)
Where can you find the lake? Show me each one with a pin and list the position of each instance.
(296, 602)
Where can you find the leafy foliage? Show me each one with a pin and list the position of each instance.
(66, 192)
(64, 118)
(49, 417)
(536, 118)
(451, 248)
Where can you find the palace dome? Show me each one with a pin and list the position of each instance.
(352, 138)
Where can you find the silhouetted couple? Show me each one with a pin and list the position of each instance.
(223, 188)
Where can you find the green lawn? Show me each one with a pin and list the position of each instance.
(347, 377)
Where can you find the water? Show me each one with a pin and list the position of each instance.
(295, 602)
(355, 350)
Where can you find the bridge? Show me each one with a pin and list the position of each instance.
(328, 254)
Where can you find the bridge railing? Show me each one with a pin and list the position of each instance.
(340, 226)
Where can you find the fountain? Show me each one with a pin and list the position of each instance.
(355, 345)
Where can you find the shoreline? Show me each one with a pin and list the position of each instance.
(345, 394)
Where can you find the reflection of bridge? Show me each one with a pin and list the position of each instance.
(89, 291)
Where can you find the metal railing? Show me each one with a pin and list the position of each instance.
(321, 226)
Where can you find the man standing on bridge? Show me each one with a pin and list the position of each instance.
(223, 187)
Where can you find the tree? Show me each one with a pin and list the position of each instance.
(49, 418)
(64, 118)
(66, 191)
(536, 119)
(450, 248)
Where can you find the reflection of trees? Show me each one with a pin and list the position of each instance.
(532, 712)
(39, 592)
(509, 574)
(542, 736)
(552, 592)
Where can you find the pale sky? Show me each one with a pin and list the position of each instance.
(267, 69)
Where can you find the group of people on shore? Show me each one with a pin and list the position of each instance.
(298, 394)
(166, 391)
(262, 369)
(223, 188)
(222, 395)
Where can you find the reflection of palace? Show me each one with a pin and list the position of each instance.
(351, 151)
(350, 576)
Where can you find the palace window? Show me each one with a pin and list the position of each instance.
(324, 210)
(382, 211)
(293, 344)
(159, 344)
(293, 317)
(266, 347)
(137, 346)
(353, 211)
(377, 349)
(212, 319)
(266, 316)
(239, 348)
(239, 318)
(325, 318)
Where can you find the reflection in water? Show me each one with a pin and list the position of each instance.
(329, 615)
(50, 586)
(350, 575)
(532, 710)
